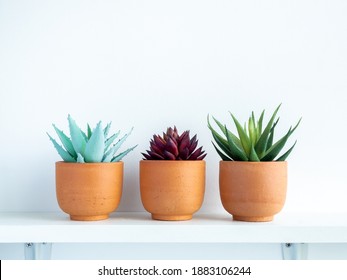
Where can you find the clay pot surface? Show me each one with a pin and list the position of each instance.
(172, 190)
(89, 191)
(253, 191)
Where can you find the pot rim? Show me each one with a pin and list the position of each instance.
(88, 163)
(252, 162)
(171, 161)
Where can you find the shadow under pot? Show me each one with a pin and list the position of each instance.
(253, 191)
(89, 191)
(172, 190)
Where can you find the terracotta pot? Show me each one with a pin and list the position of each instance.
(253, 191)
(89, 191)
(172, 190)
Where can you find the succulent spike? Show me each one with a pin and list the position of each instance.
(155, 148)
(201, 157)
(169, 155)
(146, 156)
(184, 154)
(193, 144)
(174, 140)
(182, 135)
(64, 154)
(155, 155)
(173, 146)
(89, 146)
(175, 133)
(184, 142)
(254, 143)
(196, 154)
(160, 142)
(123, 154)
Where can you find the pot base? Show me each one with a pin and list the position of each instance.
(253, 219)
(88, 218)
(171, 217)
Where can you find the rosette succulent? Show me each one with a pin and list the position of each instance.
(90, 146)
(172, 146)
(253, 143)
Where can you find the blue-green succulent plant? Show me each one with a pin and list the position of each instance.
(91, 146)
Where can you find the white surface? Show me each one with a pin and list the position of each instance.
(138, 227)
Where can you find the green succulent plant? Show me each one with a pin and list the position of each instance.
(91, 146)
(253, 143)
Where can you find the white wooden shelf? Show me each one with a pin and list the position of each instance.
(293, 231)
(38, 227)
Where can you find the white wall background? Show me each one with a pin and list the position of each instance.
(153, 64)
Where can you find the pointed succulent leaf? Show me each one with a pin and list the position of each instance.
(84, 135)
(184, 154)
(245, 141)
(252, 130)
(154, 155)
(286, 154)
(175, 133)
(196, 154)
(234, 151)
(260, 124)
(109, 154)
(271, 136)
(95, 147)
(160, 143)
(169, 132)
(262, 142)
(276, 148)
(169, 156)
(174, 140)
(269, 142)
(110, 140)
(202, 156)
(155, 148)
(123, 154)
(219, 139)
(78, 138)
(107, 129)
(171, 147)
(122, 140)
(297, 124)
(146, 157)
(193, 144)
(66, 141)
(64, 154)
(221, 142)
(89, 131)
(224, 129)
(221, 154)
(80, 158)
(253, 155)
(185, 134)
(255, 126)
(220, 125)
(184, 142)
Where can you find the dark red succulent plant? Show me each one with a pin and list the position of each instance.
(173, 146)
